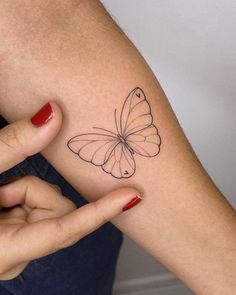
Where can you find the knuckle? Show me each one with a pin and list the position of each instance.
(64, 239)
(30, 179)
(99, 216)
(69, 242)
(11, 137)
(59, 227)
(68, 205)
(61, 232)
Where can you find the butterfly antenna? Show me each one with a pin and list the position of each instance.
(116, 123)
(113, 133)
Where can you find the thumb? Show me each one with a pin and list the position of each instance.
(44, 237)
(28, 136)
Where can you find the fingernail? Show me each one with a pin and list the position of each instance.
(43, 115)
(132, 203)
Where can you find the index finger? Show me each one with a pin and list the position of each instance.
(47, 236)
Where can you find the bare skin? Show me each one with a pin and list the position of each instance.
(73, 52)
(29, 205)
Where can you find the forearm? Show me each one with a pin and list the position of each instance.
(77, 56)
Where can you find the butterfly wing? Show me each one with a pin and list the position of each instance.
(114, 153)
(145, 142)
(93, 147)
(135, 113)
(120, 163)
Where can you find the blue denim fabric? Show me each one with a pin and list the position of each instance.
(86, 268)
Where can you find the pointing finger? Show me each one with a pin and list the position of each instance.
(50, 235)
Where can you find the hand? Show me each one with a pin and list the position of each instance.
(35, 219)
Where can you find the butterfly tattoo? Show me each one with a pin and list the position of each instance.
(114, 151)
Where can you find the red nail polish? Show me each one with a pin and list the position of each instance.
(132, 203)
(42, 116)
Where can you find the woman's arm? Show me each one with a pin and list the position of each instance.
(72, 52)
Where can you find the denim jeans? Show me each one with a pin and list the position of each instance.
(86, 268)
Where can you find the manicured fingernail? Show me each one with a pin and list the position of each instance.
(132, 203)
(43, 115)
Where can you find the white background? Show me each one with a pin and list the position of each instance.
(191, 47)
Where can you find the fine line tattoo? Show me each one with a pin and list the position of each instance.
(114, 151)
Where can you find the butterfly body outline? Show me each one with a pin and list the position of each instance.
(136, 134)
